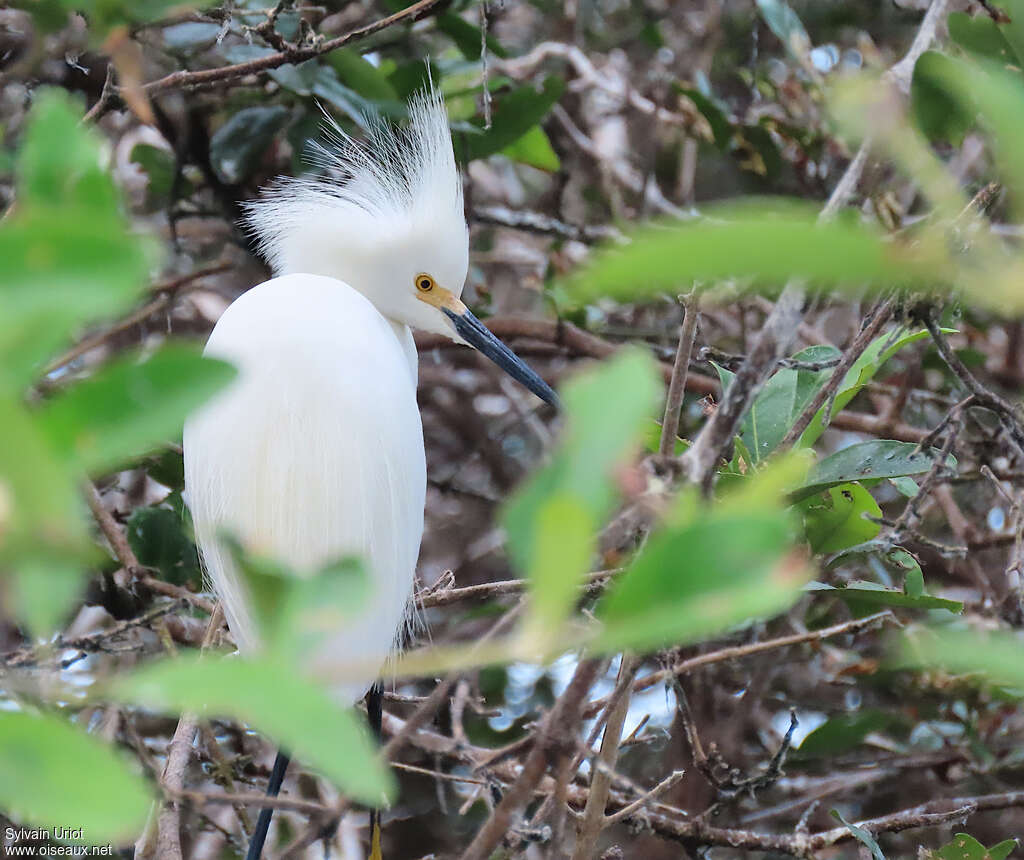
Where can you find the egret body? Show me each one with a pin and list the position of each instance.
(315, 452)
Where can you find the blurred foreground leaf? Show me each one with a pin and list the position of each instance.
(771, 241)
(296, 615)
(605, 409)
(68, 254)
(708, 569)
(53, 774)
(997, 656)
(128, 407)
(299, 715)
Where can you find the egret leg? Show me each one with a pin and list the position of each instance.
(375, 715)
(259, 835)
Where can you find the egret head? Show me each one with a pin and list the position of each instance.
(387, 218)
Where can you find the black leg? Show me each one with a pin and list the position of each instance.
(259, 835)
(375, 715)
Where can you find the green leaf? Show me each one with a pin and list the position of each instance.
(39, 505)
(939, 115)
(534, 149)
(1013, 31)
(43, 540)
(706, 569)
(879, 351)
(605, 409)
(158, 539)
(128, 407)
(721, 128)
(781, 401)
(994, 655)
(68, 255)
(843, 733)
(1002, 850)
(652, 439)
(315, 608)
(772, 242)
(45, 586)
(42, 763)
(966, 847)
(359, 74)
(563, 545)
(862, 461)
(295, 615)
(59, 163)
(237, 147)
(873, 594)
(913, 580)
(835, 520)
(513, 116)
(61, 267)
(979, 35)
(861, 835)
(785, 24)
(696, 580)
(906, 486)
(467, 37)
(998, 98)
(272, 697)
(158, 165)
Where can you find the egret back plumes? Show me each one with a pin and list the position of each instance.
(314, 453)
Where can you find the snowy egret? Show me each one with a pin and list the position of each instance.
(316, 450)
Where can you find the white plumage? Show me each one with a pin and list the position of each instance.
(305, 460)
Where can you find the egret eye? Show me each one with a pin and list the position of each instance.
(424, 283)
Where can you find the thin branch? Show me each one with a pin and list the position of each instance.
(677, 384)
(119, 544)
(601, 771)
(165, 293)
(737, 652)
(1009, 415)
(827, 392)
(168, 840)
(185, 79)
(553, 741)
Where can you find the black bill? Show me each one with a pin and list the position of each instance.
(477, 335)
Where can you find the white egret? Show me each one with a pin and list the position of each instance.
(315, 451)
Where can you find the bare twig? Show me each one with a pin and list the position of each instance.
(168, 841)
(737, 652)
(186, 79)
(594, 820)
(119, 544)
(827, 392)
(677, 384)
(1009, 415)
(554, 740)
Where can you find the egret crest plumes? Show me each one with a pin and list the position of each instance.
(381, 211)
